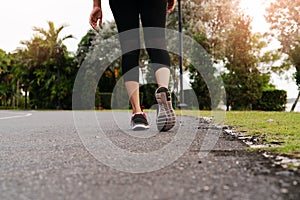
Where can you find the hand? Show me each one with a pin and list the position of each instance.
(170, 6)
(96, 17)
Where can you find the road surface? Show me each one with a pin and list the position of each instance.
(46, 155)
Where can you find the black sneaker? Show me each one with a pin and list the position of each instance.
(139, 122)
(166, 117)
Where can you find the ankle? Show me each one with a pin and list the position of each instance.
(136, 113)
(137, 110)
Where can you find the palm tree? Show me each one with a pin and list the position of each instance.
(46, 57)
(52, 35)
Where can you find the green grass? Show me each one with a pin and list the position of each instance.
(270, 127)
(282, 128)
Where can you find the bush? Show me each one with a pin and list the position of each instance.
(272, 100)
(104, 100)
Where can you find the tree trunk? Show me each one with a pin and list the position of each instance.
(227, 106)
(295, 103)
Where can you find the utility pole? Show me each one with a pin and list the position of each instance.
(181, 104)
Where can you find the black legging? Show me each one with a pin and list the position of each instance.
(152, 14)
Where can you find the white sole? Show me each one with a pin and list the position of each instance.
(166, 117)
(140, 127)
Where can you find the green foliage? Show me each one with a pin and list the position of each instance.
(244, 82)
(200, 88)
(84, 46)
(297, 77)
(268, 127)
(147, 90)
(208, 18)
(105, 100)
(295, 58)
(147, 95)
(271, 100)
(4, 62)
(283, 16)
(45, 69)
(6, 80)
(105, 44)
(226, 35)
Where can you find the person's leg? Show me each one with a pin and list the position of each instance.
(153, 16)
(126, 15)
(133, 92)
(162, 77)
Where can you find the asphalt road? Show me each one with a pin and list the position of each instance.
(56, 155)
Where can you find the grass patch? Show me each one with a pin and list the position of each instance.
(272, 127)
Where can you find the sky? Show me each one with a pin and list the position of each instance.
(256, 9)
(18, 17)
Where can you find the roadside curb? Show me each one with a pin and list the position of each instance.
(288, 163)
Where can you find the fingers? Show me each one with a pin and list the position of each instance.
(96, 18)
(93, 23)
(170, 6)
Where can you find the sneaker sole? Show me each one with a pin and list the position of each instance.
(166, 117)
(139, 127)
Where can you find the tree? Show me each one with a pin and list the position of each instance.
(208, 22)
(6, 92)
(283, 16)
(295, 59)
(210, 19)
(21, 72)
(51, 71)
(94, 50)
(243, 81)
(226, 35)
(84, 46)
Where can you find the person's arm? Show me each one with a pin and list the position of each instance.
(170, 5)
(97, 3)
(96, 15)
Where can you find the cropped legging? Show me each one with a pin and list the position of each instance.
(152, 14)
